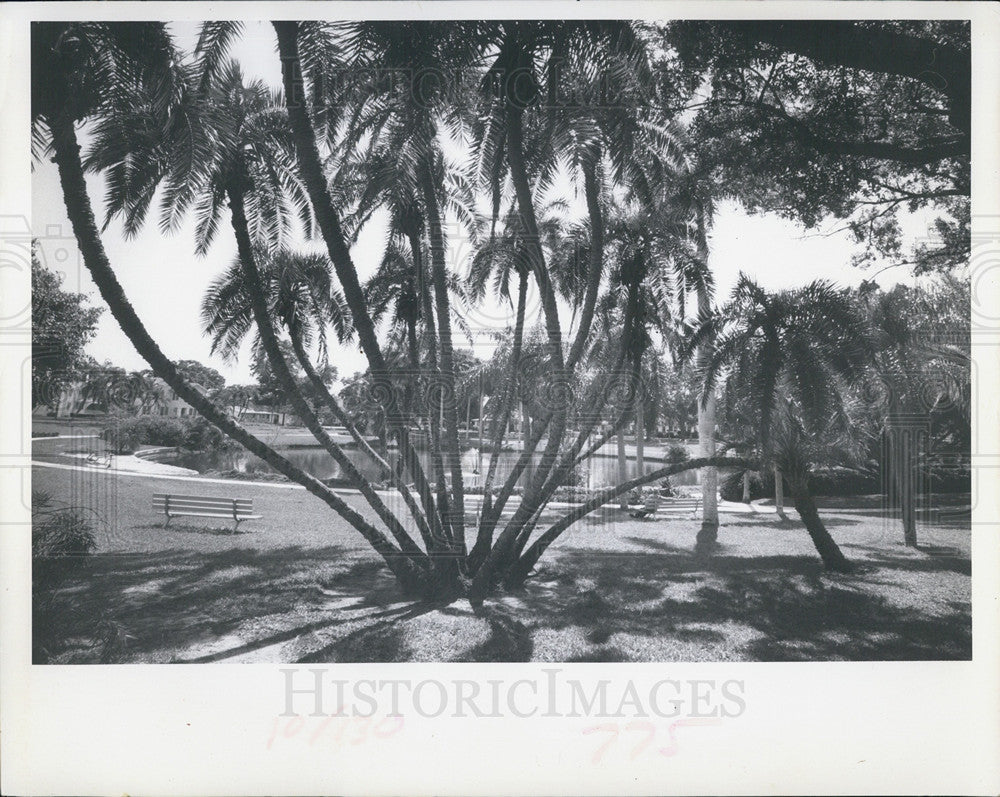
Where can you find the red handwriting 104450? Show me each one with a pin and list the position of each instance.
(335, 730)
(640, 736)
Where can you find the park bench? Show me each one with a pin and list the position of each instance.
(654, 503)
(235, 509)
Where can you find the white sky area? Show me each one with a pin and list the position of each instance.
(165, 280)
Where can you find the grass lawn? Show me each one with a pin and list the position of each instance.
(301, 585)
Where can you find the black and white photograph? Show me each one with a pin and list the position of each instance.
(387, 339)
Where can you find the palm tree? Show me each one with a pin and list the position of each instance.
(793, 358)
(109, 72)
(923, 363)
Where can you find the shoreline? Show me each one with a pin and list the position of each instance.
(472, 499)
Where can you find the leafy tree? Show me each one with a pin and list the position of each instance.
(239, 397)
(61, 327)
(207, 377)
(854, 120)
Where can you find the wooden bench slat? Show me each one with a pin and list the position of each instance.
(199, 498)
(213, 505)
(212, 513)
(208, 504)
(227, 511)
(228, 515)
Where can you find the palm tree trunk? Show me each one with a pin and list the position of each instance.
(779, 493)
(640, 434)
(81, 216)
(559, 375)
(522, 190)
(439, 276)
(555, 421)
(279, 367)
(591, 191)
(487, 519)
(311, 172)
(525, 434)
(440, 517)
(541, 543)
(829, 551)
(414, 354)
(622, 468)
(708, 534)
(338, 412)
(746, 487)
(903, 469)
(510, 389)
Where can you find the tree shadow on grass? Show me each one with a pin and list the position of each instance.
(188, 528)
(656, 604)
(198, 606)
(937, 558)
(767, 608)
(449, 634)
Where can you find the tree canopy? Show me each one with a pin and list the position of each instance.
(62, 324)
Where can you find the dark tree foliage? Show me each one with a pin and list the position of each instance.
(855, 120)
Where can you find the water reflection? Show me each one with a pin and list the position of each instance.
(597, 472)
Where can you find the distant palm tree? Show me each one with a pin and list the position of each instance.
(923, 363)
(793, 357)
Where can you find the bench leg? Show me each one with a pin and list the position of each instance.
(167, 524)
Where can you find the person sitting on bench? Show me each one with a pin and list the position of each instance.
(649, 507)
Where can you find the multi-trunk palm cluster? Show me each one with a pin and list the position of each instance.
(325, 154)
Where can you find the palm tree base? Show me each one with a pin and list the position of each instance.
(707, 540)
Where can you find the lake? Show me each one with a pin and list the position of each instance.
(599, 471)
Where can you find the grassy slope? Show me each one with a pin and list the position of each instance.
(302, 585)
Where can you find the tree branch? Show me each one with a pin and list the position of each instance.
(945, 69)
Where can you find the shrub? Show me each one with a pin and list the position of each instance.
(125, 434)
(677, 453)
(58, 531)
(60, 539)
(62, 532)
(200, 435)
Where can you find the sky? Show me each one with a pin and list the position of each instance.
(165, 280)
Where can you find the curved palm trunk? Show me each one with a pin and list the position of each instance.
(67, 158)
(829, 551)
(591, 191)
(539, 546)
(279, 367)
(311, 172)
(534, 494)
(510, 392)
(440, 517)
(487, 524)
(440, 279)
(340, 415)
